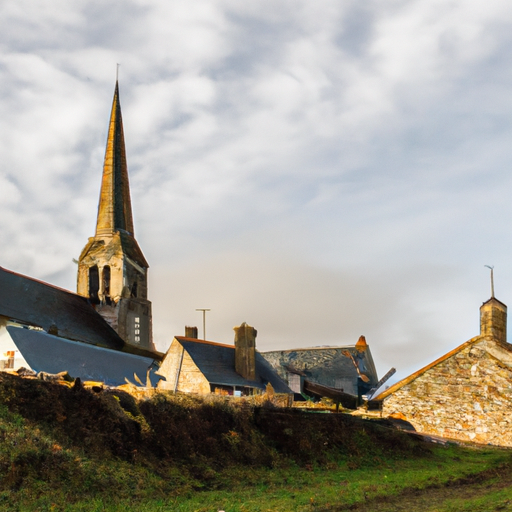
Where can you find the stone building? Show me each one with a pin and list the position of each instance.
(338, 367)
(104, 331)
(199, 366)
(112, 271)
(465, 394)
(45, 328)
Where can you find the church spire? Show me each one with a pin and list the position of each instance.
(112, 270)
(115, 209)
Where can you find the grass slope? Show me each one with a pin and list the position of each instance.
(70, 449)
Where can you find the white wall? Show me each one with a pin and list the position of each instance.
(6, 344)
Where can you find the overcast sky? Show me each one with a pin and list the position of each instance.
(320, 170)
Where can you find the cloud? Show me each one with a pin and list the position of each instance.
(320, 171)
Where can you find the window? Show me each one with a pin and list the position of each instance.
(294, 382)
(137, 329)
(94, 284)
(106, 281)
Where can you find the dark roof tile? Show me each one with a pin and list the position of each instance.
(36, 303)
(51, 354)
(217, 363)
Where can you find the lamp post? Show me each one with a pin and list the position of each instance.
(204, 321)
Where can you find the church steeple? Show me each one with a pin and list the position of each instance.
(112, 271)
(115, 208)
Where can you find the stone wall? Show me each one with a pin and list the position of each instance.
(468, 396)
(493, 319)
(178, 364)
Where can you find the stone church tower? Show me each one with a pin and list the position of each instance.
(112, 271)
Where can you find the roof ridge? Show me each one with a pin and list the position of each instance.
(42, 282)
(322, 347)
(205, 342)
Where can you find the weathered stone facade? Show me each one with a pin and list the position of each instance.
(465, 395)
(493, 319)
(181, 373)
(199, 366)
(112, 270)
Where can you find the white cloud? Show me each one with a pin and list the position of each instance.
(294, 165)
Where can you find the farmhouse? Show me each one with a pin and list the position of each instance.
(200, 366)
(465, 394)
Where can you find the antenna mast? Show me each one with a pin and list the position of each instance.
(492, 279)
(204, 310)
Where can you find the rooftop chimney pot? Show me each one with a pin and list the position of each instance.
(190, 332)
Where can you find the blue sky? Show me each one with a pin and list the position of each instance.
(320, 170)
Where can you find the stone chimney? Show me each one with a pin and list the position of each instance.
(493, 319)
(245, 351)
(190, 332)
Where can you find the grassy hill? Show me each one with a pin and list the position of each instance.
(76, 449)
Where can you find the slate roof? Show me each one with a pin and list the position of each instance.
(36, 303)
(217, 363)
(44, 352)
(324, 365)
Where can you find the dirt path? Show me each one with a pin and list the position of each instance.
(441, 498)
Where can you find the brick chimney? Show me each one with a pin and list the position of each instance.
(493, 319)
(245, 351)
(190, 332)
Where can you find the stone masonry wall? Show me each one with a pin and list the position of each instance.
(493, 319)
(467, 397)
(190, 378)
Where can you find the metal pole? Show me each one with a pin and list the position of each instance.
(492, 279)
(204, 321)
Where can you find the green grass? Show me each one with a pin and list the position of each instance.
(330, 488)
(121, 487)
(72, 451)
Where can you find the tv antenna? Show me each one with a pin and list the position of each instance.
(204, 320)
